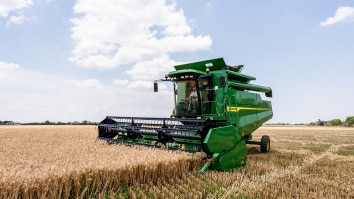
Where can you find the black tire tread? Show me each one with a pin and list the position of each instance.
(264, 142)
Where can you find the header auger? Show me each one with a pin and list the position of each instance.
(216, 111)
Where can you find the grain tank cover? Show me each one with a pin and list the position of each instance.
(212, 64)
(218, 64)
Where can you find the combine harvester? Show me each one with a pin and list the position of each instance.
(216, 111)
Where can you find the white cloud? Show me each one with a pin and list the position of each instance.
(35, 97)
(151, 69)
(141, 85)
(6, 68)
(120, 82)
(16, 20)
(90, 84)
(7, 6)
(342, 14)
(142, 33)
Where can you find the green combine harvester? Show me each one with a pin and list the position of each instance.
(216, 111)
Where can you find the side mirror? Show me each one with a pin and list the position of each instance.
(156, 87)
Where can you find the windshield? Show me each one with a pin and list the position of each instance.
(192, 97)
(186, 98)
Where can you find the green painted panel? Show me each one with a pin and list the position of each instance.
(221, 139)
(239, 76)
(234, 158)
(186, 72)
(246, 98)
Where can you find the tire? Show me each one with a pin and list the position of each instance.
(265, 144)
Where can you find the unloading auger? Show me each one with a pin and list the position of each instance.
(216, 111)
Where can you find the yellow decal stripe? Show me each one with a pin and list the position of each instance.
(237, 109)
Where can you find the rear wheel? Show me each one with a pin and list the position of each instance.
(265, 144)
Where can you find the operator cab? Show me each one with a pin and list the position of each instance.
(192, 97)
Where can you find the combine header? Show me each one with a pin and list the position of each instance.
(216, 111)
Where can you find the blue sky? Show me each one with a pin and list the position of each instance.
(83, 60)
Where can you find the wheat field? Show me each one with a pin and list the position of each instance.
(68, 162)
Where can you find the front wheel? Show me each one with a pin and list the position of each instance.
(265, 144)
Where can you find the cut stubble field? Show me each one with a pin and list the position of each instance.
(68, 162)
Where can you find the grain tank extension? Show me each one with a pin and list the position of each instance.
(216, 111)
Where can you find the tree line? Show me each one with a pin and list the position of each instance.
(348, 122)
(47, 122)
